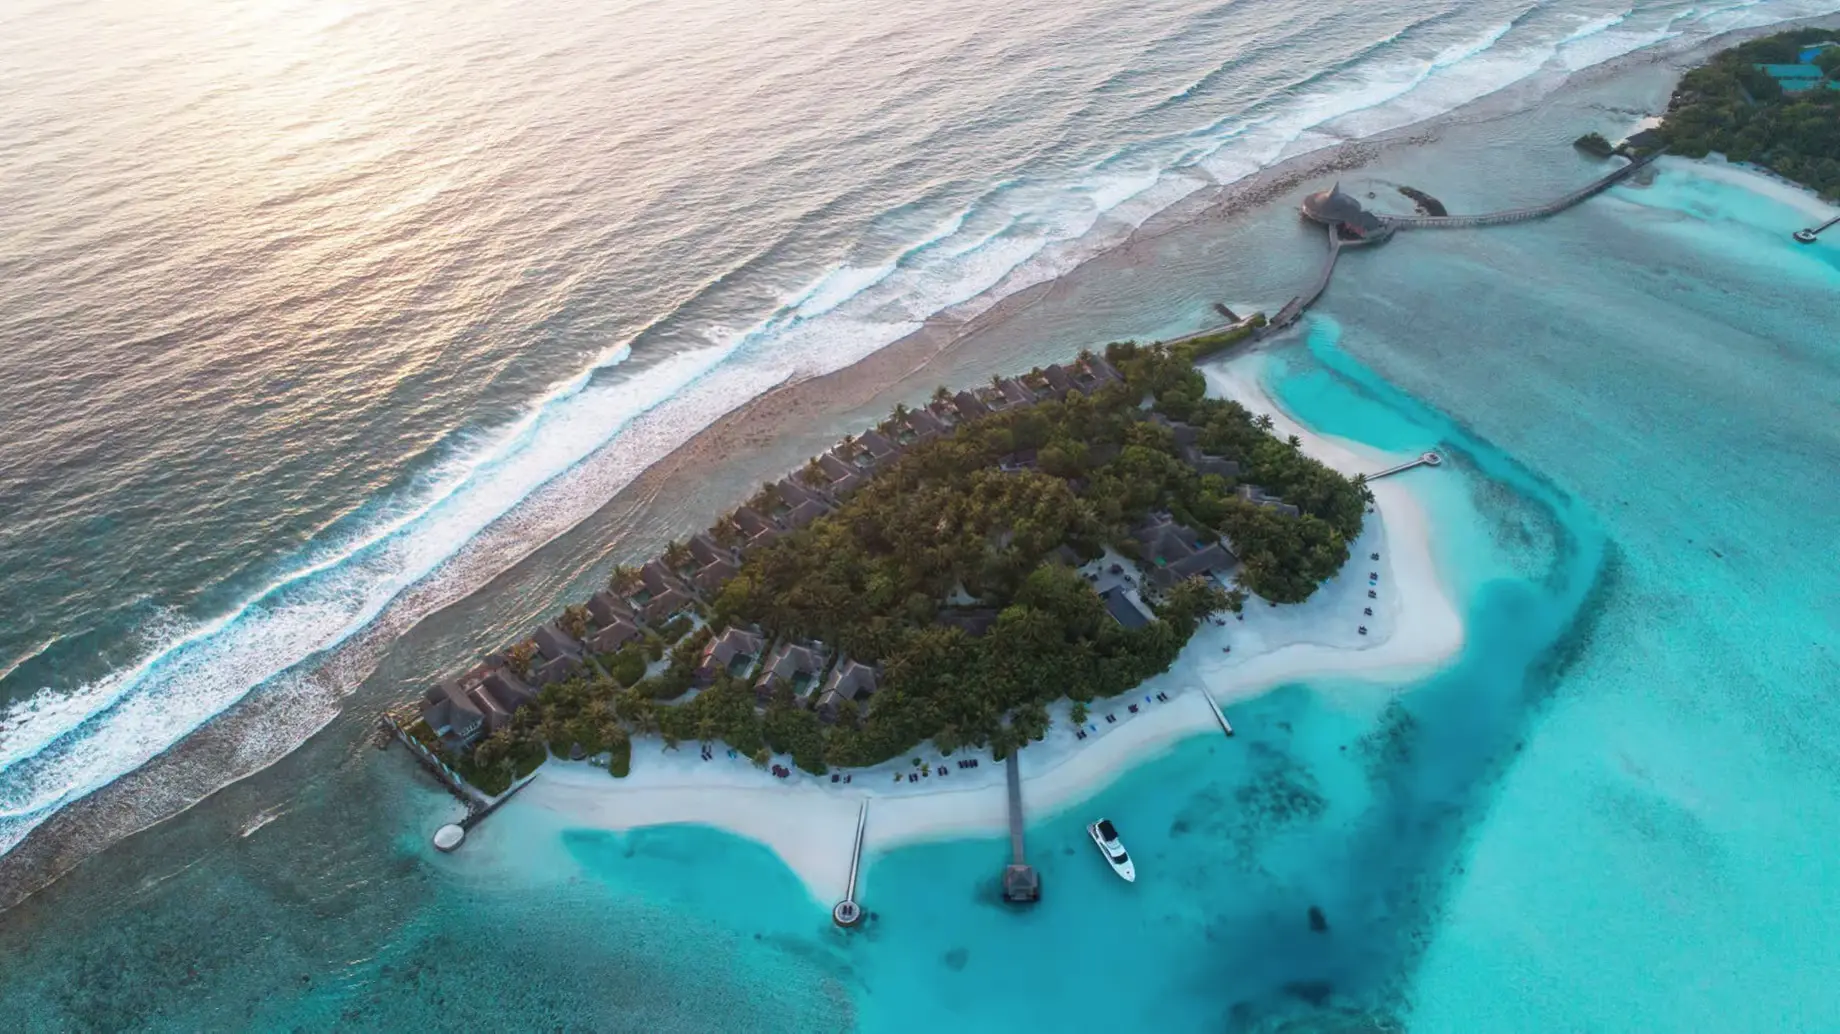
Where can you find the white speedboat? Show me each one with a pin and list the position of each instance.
(1106, 836)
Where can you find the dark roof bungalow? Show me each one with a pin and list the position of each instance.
(877, 447)
(734, 652)
(705, 549)
(451, 713)
(969, 406)
(557, 670)
(1206, 464)
(606, 608)
(922, 425)
(794, 494)
(613, 635)
(708, 578)
(1015, 393)
(662, 608)
(1256, 495)
(554, 644)
(1177, 553)
(850, 680)
(794, 665)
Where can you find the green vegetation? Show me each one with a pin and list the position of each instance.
(489, 769)
(1595, 145)
(969, 513)
(1732, 107)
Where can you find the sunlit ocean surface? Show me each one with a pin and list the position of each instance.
(311, 313)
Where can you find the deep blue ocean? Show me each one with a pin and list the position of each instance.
(338, 338)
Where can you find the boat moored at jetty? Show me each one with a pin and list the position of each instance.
(1105, 835)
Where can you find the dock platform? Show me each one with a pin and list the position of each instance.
(1021, 883)
(1429, 459)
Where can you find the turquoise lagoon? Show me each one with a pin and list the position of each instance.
(1612, 811)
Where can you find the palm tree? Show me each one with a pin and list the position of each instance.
(1264, 421)
(1294, 442)
(941, 393)
(676, 554)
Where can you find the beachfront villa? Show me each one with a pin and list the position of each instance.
(850, 680)
(795, 666)
(733, 652)
(614, 634)
(479, 703)
(1175, 552)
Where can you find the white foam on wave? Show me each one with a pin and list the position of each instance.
(63, 746)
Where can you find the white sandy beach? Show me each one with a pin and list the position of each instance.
(809, 822)
(1757, 180)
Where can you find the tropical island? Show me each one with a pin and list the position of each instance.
(1773, 102)
(944, 576)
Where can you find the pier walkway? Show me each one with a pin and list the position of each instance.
(1021, 883)
(1429, 459)
(1809, 235)
(1219, 715)
(1521, 215)
(848, 912)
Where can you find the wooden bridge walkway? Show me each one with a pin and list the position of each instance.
(1020, 881)
(1521, 215)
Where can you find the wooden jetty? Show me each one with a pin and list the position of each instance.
(478, 806)
(847, 912)
(1429, 459)
(1521, 215)
(1813, 233)
(1219, 715)
(1021, 884)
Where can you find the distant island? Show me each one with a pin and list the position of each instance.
(944, 576)
(1773, 101)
